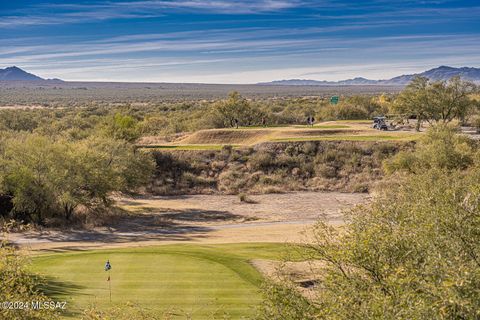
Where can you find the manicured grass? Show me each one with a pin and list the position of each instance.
(198, 278)
(187, 147)
(405, 137)
(260, 127)
(338, 126)
(326, 126)
(354, 121)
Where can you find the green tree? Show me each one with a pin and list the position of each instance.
(438, 101)
(122, 127)
(47, 178)
(235, 107)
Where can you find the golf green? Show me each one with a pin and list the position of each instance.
(199, 280)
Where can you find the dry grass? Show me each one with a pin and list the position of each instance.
(227, 136)
(214, 139)
(22, 107)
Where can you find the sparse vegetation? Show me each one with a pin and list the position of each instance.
(411, 254)
(276, 167)
(441, 148)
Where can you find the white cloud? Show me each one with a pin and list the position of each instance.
(64, 13)
(224, 56)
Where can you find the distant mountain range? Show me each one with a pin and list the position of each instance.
(440, 73)
(17, 74)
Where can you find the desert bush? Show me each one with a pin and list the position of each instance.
(411, 254)
(342, 112)
(309, 148)
(261, 160)
(285, 302)
(46, 177)
(348, 166)
(326, 171)
(232, 181)
(193, 181)
(287, 161)
(120, 126)
(243, 197)
(476, 123)
(17, 284)
(442, 147)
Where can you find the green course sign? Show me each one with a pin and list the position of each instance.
(334, 99)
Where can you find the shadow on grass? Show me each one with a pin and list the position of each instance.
(60, 291)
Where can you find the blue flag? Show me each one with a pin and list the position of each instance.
(108, 266)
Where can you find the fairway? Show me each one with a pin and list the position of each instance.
(190, 279)
(347, 130)
(378, 137)
(187, 147)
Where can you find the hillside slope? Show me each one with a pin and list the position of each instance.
(17, 74)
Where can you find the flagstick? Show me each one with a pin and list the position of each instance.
(110, 285)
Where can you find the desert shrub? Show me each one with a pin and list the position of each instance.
(284, 302)
(261, 160)
(286, 161)
(154, 126)
(227, 150)
(271, 179)
(476, 123)
(441, 147)
(326, 171)
(411, 254)
(291, 150)
(348, 166)
(309, 148)
(193, 181)
(343, 112)
(19, 285)
(243, 197)
(121, 126)
(232, 181)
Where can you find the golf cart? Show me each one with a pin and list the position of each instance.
(379, 123)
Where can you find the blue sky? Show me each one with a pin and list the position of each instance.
(240, 41)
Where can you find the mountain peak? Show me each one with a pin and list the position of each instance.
(442, 73)
(14, 73)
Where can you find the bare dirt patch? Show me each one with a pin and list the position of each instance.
(203, 219)
(302, 273)
(21, 107)
(207, 209)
